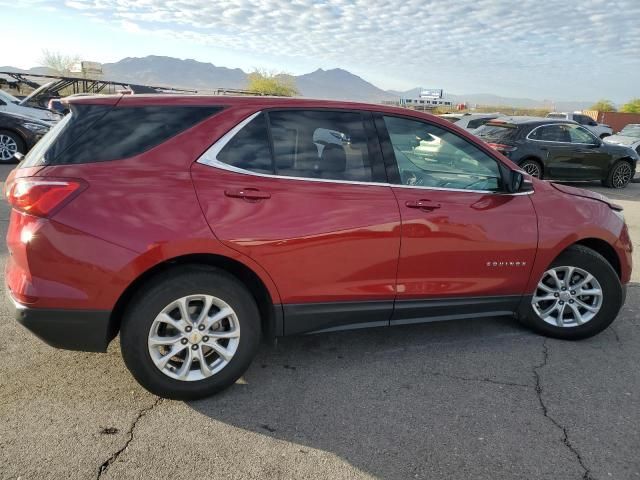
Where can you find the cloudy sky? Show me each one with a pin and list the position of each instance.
(543, 49)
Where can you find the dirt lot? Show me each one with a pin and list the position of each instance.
(460, 400)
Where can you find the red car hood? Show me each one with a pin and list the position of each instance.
(579, 192)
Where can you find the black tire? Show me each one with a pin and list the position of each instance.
(20, 145)
(616, 177)
(530, 165)
(160, 292)
(612, 298)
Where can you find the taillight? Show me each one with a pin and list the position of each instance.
(502, 147)
(43, 196)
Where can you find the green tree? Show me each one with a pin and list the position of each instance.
(633, 106)
(59, 63)
(603, 106)
(262, 82)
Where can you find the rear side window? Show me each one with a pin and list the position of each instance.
(98, 133)
(249, 148)
(320, 144)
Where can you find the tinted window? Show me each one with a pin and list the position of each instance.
(430, 156)
(497, 132)
(320, 144)
(551, 133)
(97, 133)
(580, 134)
(249, 148)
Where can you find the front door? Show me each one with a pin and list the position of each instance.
(300, 192)
(467, 246)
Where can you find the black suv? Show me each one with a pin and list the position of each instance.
(560, 150)
(18, 134)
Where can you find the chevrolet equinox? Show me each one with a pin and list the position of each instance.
(194, 226)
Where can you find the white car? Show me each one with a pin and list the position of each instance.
(11, 104)
(599, 129)
(470, 121)
(629, 136)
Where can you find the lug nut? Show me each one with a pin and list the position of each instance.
(570, 301)
(200, 327)
(184, 341)
(205, 339)
(188, 329)
(194, 347)
(573, 292)
(556, 294)
(561, 302)
(564, 288)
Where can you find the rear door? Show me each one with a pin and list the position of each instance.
(563, 160)
(304, 194)
(467, 247)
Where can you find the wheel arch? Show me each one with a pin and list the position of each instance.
(603, 248)
(15, 132)
(270, 312)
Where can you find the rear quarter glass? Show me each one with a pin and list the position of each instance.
(498, 133)
(99, 133)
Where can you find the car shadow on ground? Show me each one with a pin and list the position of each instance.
(400, 402)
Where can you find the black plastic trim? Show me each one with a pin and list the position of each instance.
(85, 330)
(312, 317)
(434, 310)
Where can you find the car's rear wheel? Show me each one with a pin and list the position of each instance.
(191, 333)
(10, 144)
(620, 175)
(532, 167)
(578, 296)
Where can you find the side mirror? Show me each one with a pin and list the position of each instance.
(515, 181)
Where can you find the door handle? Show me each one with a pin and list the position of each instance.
(248, 194)
(426, 205)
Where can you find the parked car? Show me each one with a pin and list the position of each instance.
(10, 104)
(470, 121)
(195, 226)
(18, 134)
(629, 137)
(560, 150)
(599, 129)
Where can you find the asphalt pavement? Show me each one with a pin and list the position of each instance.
(476, 399)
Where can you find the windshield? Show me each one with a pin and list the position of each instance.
(8, 97)
(26, 100)
(631, 131)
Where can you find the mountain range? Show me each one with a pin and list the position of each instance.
(333, 84)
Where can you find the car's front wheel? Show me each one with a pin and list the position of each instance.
(620, 175)
(578, 296)
(191, 333)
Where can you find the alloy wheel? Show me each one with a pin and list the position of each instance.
(567, 297)
(622, 175)
(532, 169)
(8, 148)
(194, 337)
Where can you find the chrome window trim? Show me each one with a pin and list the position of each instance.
(563, 143)
(209, 157)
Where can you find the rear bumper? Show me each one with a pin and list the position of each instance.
(86, 330)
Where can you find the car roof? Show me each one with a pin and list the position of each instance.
(249, 101)
(525, 120)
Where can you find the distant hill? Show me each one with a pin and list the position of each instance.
(332, 84)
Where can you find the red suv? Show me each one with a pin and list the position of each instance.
(194, 226)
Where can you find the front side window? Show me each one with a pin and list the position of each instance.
(320, 144)
(580, 135)
(429, 156)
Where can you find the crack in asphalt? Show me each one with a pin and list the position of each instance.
(545, 412)
(112, 459)
(483, 379)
